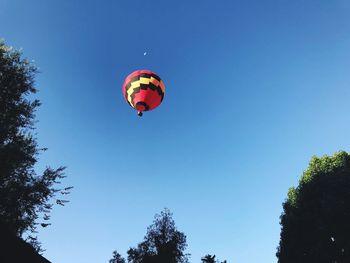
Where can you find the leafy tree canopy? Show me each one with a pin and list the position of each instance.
(117, 258)
(315, 221)
(162, 243)
(25, 196)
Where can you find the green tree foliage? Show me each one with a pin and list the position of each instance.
(162, 243)
(26, 197)
(117, 258)
(316, 218)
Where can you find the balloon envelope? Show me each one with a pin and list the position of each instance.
(143, 90)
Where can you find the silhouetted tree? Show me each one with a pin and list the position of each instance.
(315, 222)
(25, 196)
(162, 243)
(210, 259)
(117, 258)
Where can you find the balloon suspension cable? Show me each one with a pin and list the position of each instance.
(140, 113)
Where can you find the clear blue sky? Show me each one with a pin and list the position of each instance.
(253, 90)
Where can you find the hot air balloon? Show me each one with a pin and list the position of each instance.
(143, 90)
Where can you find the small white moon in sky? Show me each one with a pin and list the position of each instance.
(144, 53)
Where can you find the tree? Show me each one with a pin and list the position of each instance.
(25, 196)
(162, 243)
(210, 259)
(315, 221)
(117, 258)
